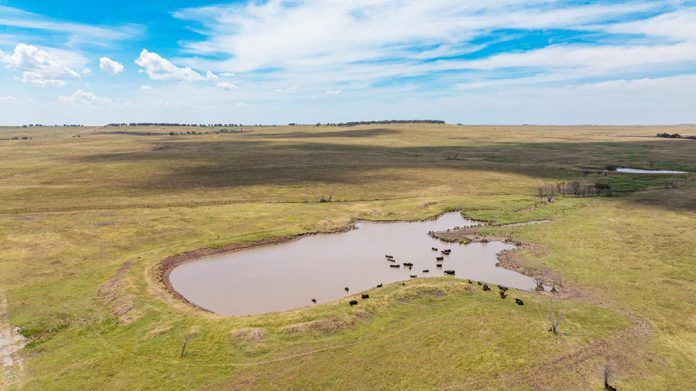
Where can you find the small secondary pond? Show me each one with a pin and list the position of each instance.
(627, 170)
(288, 275)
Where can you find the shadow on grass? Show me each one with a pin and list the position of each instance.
(296, 158)
(355, 133)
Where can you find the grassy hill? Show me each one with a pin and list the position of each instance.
(85, 222)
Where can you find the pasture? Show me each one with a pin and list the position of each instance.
(85, 223)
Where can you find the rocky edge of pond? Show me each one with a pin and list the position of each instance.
(506, 258)
(510, 259)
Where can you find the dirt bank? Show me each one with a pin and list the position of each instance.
(512, 259)
(165, 267)
(11, 343)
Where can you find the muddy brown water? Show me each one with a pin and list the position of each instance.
(288, 275)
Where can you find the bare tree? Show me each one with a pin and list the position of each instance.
(185, 344)
(539, 284)
(556, 282)
(607, 373)
(192, 333)
(554, 321)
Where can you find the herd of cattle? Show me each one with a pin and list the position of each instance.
(502, 291)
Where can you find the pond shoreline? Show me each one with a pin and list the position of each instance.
(163, 268)
(508, 259)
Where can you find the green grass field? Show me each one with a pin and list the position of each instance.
(85, 222)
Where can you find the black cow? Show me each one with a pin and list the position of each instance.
(426, 271)
(413, 276)
(409, 264)
(346, 289)
(353, 302)
(449, 272)
(365, 296)
(438, 265)
(314, 301)
(379, 285)
(438, 259)
(486, 287)
(502, 294)
(434, 248)
(519, 301)
(394, 265)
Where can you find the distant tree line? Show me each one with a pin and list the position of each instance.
(576, 189)
(219, 131)
(170, 124)
(64, 125)
(179, 133)
(17, 138)
(386, 122)
(675, 135)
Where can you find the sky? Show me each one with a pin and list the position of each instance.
(282, 61)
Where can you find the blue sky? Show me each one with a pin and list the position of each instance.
(498, 61)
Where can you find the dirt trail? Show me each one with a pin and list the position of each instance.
(11, 342)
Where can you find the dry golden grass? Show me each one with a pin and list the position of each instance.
(74, 211)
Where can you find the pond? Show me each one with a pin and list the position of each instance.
(289, 275)
(627, 170)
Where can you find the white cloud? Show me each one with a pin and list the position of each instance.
(159, 68)
(643, 85)
(77, 33)
(227, 86)
(396, 58)
(210, 76)
(49, 67)
(593, 57)
(326, 33)
(110, 66)
(288, 89)
(8, 99)
(362, 42)
(81, 97)
(679, 25)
